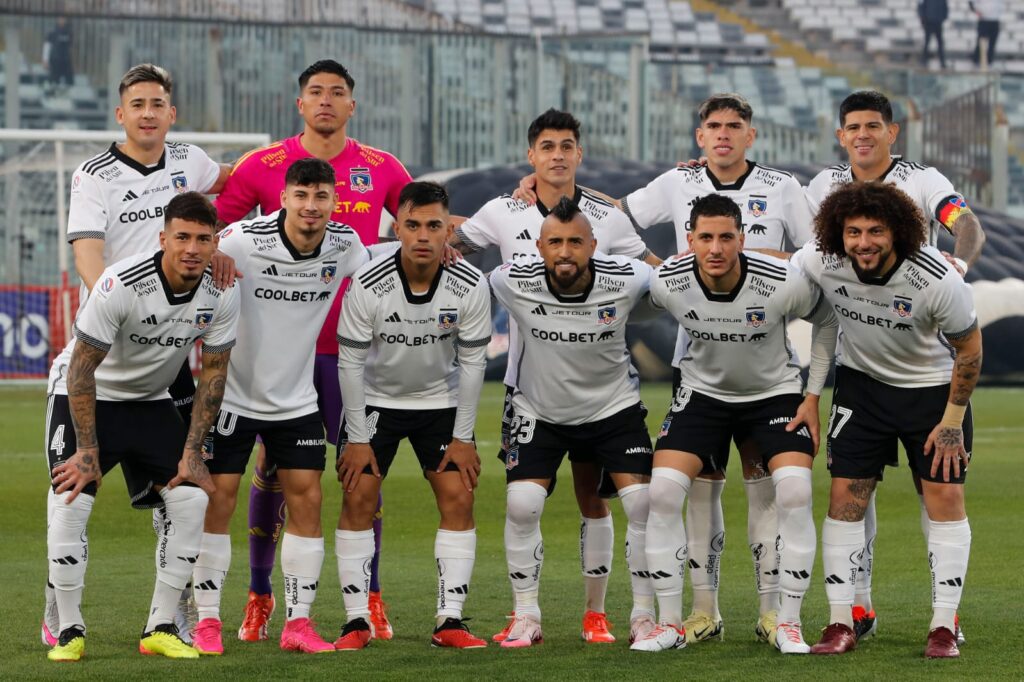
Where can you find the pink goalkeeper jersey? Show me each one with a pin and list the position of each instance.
(368, 181)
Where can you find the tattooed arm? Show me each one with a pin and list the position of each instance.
(946, 441)
(83, 467)
(969, 238)
(205, 407)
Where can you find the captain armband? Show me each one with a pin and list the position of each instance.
(951, 208)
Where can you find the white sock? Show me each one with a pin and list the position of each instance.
(67, 551)
(636, 503)
(597, 542)
(455, 552)
(48, 594)
(797, 538)
(177, 549)
(524, 545)
(211, 569)
(301, 561)
(949, 547)
(354, 551)
(705, 535)
(841, 545)
(666, 541)
(762, 532)
(862, 593)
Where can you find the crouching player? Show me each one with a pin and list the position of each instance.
(412, 337)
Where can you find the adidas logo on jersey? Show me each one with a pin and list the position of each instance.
(272, 270)
(539, 310)
(150, 320)
(525, 234)
(692, 315)
(842, 291)
(393, 317)
(130, 196)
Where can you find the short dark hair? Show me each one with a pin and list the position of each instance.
(423, 193)
(715, 206)
(875, 200)
(565, 210)
(326, 66)
(726, 101)
(193, 207)
(866, 100)
(146, 73)
(309, 173)
(553, 119)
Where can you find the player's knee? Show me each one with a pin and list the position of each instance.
(591, 505)
(358, 508)
(668, 490)
(636, 502)
(525, 503)
(792, 487)
(944, 501)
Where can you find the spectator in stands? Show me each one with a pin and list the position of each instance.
(57, 53)
(988, 13)
(933, 13)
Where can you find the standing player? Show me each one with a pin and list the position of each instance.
(738, 383)
(368, 182)
(109, 405)
(117, 207)
(907, 363)
(413, 336)
(574, 391)
(514, 226)
(867, 132)
(294, 261)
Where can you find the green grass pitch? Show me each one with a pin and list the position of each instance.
(120, 579)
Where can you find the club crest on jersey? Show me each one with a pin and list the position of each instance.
(447, 319)
(180, 184)
(106, 285)
(757, 207)
(359, 179)
(904, 307)
(203, 320)
(755, 317)
(327, 273)
(226, 231)
(606, 315)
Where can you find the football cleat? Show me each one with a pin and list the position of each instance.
(258, 610)
(163, 640)
(70, 646)
(960, 639)
(503, 635)
(206, 638)
(299, 634)
(50, 628)
(789, 639)
(864, 622)
(941, 644)
(453, 633)
(662, 638)
(379, 618)
(596, 628)
(640, 627)
(355, 635)
(187, 614)
(525, 631)
(835, 639)
(766, 627)
(701, 627)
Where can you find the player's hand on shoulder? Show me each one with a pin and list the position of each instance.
(78, 471)
(463, 454)
(224, 271)
(945, 445)
(192, 469)
(693, 163)
(450, 255)
(355, 457)
(958, 264)
(526, 190)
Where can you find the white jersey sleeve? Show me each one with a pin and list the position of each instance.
(473, 336)
(105, 312)
(652, 204)
(934, 187)
(819, 188)
(221, 335)
(355, 331)
(88, 214)
(619, 237)
(483, 228)
(954, 307)
(798, 217)
(208, 168)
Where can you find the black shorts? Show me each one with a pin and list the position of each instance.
(429, 432)
(619, 443)
(704, 426)
(146, 437)
(183, 390)
(869, 419)
(506, 422)
(296, 443)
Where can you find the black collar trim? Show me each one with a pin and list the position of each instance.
(132, 163)
(728, 296)
(417, 299)
(291, 247)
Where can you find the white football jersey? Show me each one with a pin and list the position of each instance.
(926, 186)
(146, 329)
(410, 345)
(285, 298)
(574, 366)
(514, 227)
(895, 329)
(736, 345)
(774, 208)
